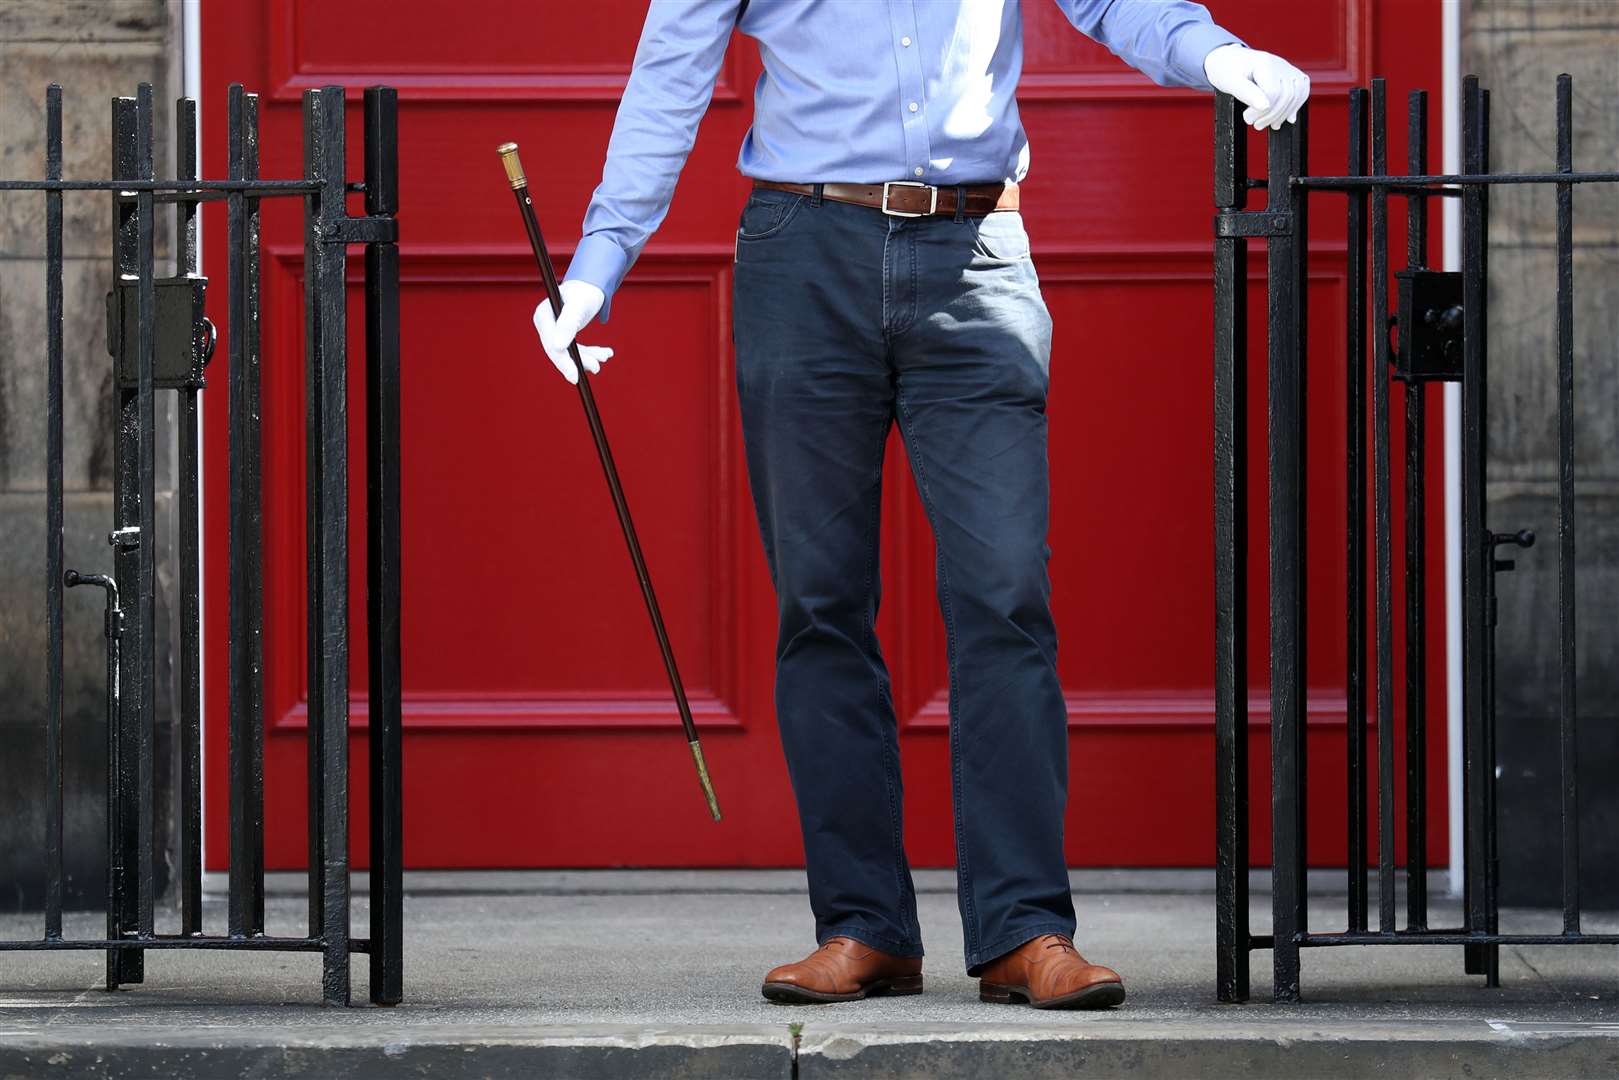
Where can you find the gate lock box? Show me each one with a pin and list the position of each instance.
(1430, 325)
(183, 337)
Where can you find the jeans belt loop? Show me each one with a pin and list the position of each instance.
(961, 203)
(815, 199)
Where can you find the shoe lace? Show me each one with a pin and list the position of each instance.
(1053, 941)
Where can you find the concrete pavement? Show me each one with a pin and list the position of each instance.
(610, 973)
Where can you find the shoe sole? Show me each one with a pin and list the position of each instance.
(790, 994)
(1096, 996)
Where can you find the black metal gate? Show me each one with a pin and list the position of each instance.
(160, 339)
(1440, 323)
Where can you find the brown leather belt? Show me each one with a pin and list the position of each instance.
(910, 198)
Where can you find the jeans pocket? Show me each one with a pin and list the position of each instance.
(767, 213)
(1000, 236)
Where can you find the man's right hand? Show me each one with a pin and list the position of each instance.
(580, 303)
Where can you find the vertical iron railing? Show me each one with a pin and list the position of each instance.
(1441, 324)
(1355, 511)
(1416, 559)
(383, 545)
(1477, 576)
(189, 541)
(1382, 520)
(127, 965)
(327, 531)
(160, 340)
(54, 571)
(246, 552)
(1230, 555)
(1566, 713)
(1285, 369)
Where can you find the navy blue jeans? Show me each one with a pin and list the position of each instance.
(848, 321)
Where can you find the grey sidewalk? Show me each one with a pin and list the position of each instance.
(656, 973)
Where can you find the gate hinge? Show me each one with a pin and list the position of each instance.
(1229, 224)
(360, 230)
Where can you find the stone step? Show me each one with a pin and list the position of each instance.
(1093, 1046)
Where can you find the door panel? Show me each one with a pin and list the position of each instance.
(538, 726)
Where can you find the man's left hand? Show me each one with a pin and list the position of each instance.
(1272, 88)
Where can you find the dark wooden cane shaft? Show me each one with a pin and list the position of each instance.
(598, 435)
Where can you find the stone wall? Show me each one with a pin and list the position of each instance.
(1518, 48)
(95, 49)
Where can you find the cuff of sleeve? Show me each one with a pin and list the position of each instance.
(602, 263)
(1194, 45)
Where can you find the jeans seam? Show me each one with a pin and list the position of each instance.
(887, 238)
(910, 318)
(963, 868)
(885, 708)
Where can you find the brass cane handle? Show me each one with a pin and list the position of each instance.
(513, 164)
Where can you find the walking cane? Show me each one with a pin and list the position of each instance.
(514, 173)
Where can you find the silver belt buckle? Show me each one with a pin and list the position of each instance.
(933, 203)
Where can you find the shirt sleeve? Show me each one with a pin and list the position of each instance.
(1166, 40)
(676, 63)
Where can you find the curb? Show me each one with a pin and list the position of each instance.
(1208, 1048)
(344, 1053)
(1195, 1049)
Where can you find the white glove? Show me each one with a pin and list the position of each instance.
(580, 303)
(1272, 88)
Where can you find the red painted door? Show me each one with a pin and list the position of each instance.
(538, 726)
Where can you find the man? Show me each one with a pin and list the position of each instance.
(883, 276)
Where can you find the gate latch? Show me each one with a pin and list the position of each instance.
(1524, 538)
(114, 616)
(182, 336)
(1430, 326)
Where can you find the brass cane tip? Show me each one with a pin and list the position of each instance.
(702, 778)
(514, 164)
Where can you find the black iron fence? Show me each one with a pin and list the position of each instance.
(1440, 323)
(160, 339)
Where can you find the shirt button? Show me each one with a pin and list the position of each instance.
(919, 170)
(905, 41)
(913, 106)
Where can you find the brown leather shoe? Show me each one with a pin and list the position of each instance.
(1049, 973)
(843, 970)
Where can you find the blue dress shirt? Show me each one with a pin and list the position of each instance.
(857, 91)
